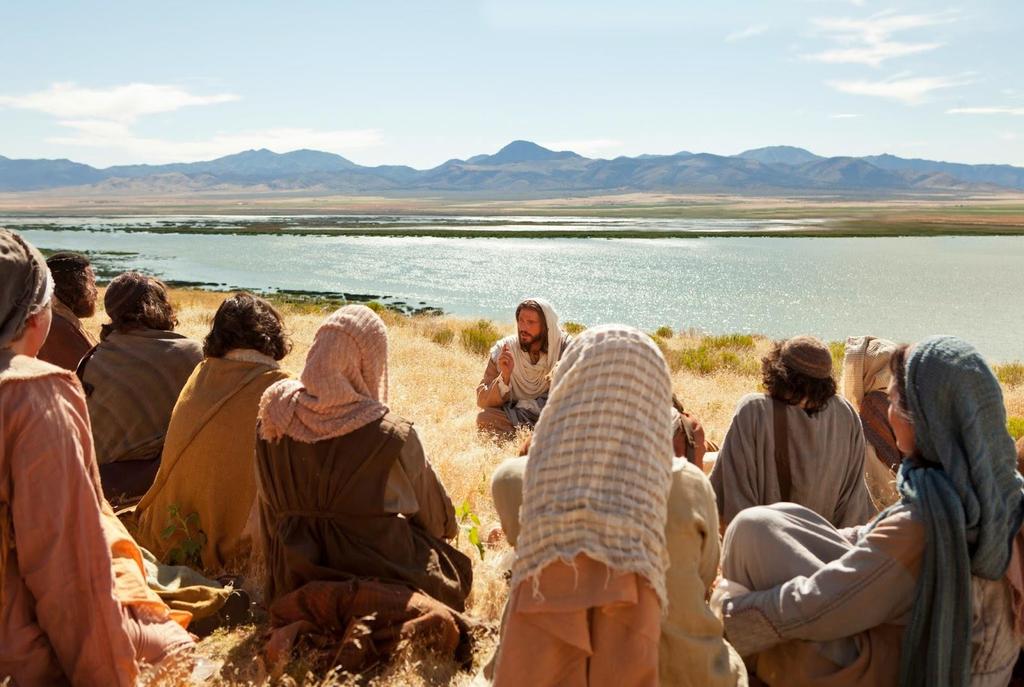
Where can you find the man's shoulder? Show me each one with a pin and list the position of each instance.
(753, 403)
(511, 340)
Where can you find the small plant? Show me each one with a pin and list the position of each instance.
(377, 307)
(189, 548)
(1015, 425)
(838, 351)
(469, 523)
(573, 328)
(479, 337)
(744, 341)
(443, 336)
(664, 332)
(1010, 374)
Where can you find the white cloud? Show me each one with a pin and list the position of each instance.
(743, 34)
(105, 119)
(1018, 111)
(910, 90)
(843, 115)
(588, 147)
(119, 141)
(119, 103)
(869, 41)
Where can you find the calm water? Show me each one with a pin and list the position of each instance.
(901, 288)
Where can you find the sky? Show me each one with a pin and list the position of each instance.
(418, 83)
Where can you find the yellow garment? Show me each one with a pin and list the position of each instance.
(207, 466)
(130, 586)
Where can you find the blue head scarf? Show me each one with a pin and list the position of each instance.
(970, 498)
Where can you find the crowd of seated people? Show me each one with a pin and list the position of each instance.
(863, 530)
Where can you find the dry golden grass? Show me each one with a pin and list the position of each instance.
(432, 384)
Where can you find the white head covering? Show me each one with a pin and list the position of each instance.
(600, 465)
(529, 380)
(866, 367)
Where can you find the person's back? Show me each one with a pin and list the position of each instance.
(343, 485)
(692, 650)
(132, 380)
(206, 466)
(820, 461)
(330, 497)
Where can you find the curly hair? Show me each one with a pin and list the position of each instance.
(792, 387)
(136, 301)
(74, 284)
(247, 321)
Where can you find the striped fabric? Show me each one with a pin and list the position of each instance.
(344, 384)
(600, 464)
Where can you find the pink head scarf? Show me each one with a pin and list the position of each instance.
(344, 384)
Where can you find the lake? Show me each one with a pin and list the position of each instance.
(899, 288)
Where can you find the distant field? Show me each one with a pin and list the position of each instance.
(460, 217)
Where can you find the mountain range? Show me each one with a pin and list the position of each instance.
(523, 168)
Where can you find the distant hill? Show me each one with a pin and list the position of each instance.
(780, 155)
(524, 168)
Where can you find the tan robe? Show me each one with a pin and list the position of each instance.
(826, 459)
(582, 625)
(59, 621)
(68, 340)
(692, 651)
(208, 461)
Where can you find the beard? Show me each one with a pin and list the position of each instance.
(86, 306)
(526, 340)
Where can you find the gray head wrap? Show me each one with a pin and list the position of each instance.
(25, 285)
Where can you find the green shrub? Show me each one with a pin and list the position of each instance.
(1010, 374)
(573, 328)
(443, 336)
(377, 307)
(1016, 426)
(745, 341)
(664, 332)
(479, 337)
(838, 351)
(705, 360)
(190, 539)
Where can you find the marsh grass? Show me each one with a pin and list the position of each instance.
(432, 384)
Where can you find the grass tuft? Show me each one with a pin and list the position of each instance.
(1010, 374)
(664, 332)
(1015, 425)
(478, 337)
(573, 328)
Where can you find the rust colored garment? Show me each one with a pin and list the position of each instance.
(581, 626)
(207, 462)
(356, 623)
(68, 340)
(874, 415)
(60, 622)
(323, 515)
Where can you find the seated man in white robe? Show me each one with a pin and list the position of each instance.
(515, 384)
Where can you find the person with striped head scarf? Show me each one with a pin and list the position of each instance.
(588, 582)
(343, 485)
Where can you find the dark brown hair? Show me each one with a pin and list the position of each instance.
(73, 284)
(535, 307)
(136, 301)
(786, 384)
(898, 369)
(247, 321)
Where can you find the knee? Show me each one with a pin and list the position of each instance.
(745, 537)
(507, 481)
